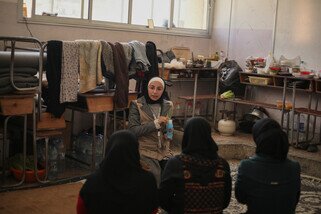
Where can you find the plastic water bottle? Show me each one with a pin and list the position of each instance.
(61, 156)
(169, 129)
(222, 56)
(53, 162)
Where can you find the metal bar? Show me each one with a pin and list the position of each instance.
(287, 123)
(105, 133)
(124, 118)
(5, 130)
(283, 100)
(293, 111)
(195, 91)
(229, 31)
(315, 117)
(115, 122)
(46, 157)
(216, 97)
(308, 119)
(274, 25)
(72, 128)
(93, 158)
(130, 11)
(41, 56)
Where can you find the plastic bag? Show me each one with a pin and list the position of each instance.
(229, 78)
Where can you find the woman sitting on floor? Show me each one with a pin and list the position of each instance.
(148, 116)
(269, 182)
(198, 180)
(120, 185)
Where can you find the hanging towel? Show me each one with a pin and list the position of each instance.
(89, 65)
(129, 53)
(53, 73)
(107, 60)
(121, 76)
(69, 72)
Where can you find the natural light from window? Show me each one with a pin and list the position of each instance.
(110, 10)
(177, 16)
(158, 10)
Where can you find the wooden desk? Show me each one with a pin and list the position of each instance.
(95, 103)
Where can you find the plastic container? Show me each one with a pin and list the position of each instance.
(287, 105)
(30, 175)
(260, 80)
(169, 129)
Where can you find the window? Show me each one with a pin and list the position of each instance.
(110, 10)
(158, 10)
(188, 17)
(191, 14)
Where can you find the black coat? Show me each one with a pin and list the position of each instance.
(120, 185)
(99, 197)
(267, 185)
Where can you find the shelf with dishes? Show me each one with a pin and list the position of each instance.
(277, 81)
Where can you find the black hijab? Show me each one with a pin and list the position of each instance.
(270, 139)
(149, 100)
(120, 185)
(122, 161)
(197, 139)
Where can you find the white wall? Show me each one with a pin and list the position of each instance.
(297, 33)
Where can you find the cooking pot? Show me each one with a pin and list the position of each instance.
(256, 114)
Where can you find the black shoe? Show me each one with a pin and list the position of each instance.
(302, 145)
(312, 148)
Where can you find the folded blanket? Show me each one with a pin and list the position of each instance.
(20, 82)
(20, 79)
(107, 60)
(21, 70)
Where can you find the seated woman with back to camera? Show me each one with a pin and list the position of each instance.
(269, 182)
(120, 185)
(198, 180)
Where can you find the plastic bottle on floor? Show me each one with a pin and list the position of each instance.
(53, 162)
(61, 156)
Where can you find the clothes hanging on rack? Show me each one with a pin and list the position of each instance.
(53, 74)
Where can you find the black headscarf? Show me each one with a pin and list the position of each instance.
(197, 139)
(120, 185)
(122, 161)
(270, 139)
(149, 100)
